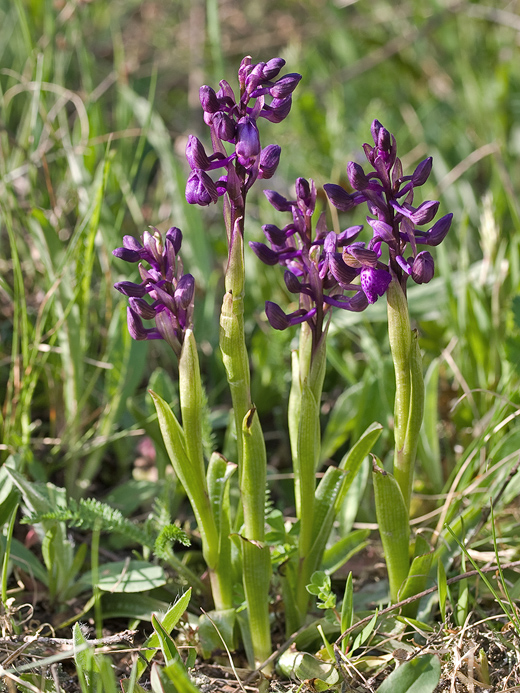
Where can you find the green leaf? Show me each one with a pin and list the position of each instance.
(25, 559)
(361, 638)
(211, 639)
(353, 460)
(394, 528)
(304, 666)
(419, 675)
(81, 656)
(442, 585)
(340, 552)
(132, 576)
(138, 606)
(167, 644)
(416, 581)
(429, 436)
(175, 675)
(347, 610)
(168, 623)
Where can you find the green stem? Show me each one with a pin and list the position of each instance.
(304, 430)
(400, 345)
(252, 460)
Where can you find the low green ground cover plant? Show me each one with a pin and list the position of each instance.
(210, 462)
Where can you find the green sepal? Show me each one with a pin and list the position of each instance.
(394, 528)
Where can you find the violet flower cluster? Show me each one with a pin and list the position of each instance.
(315, 268)
(234, 120)
(323, 268)
(389, 196)
(171, 291)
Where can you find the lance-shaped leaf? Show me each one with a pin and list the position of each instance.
(417, 576)
(193, 482)
(394, 528)
(352, 461)
(168, 623)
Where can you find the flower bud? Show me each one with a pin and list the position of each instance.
(422, 172)
(277, 318)
(166, 326)
(382, 230)
(339, 197)
(269, 160)
(185, 291)
(278, 201)
(263, 253)
(306, 193)
(248, 141)
(130, 289)
(438, 231)
(341, 272)
(174, 235)
(223, 127)
(423, 268)
(277, 110)
(292, 282)
(272, 68)
(275, 235)
(196, 154)
(127, 254)
(200, 189)
(135, 325)
(285, 85)
(208, 100)
(425, 212)
(356, 176)
(142, 308)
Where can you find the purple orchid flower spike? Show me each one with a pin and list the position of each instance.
(394, 218)
(234, 119)
(164, 282)
(315, 265)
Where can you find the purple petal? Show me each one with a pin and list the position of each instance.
(422, 172)
(374, 282)
(130, 289)
(265, 254)
(340, 198)
(285, 85)
(278, 201)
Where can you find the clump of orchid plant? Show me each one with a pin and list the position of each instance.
(325, 270)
